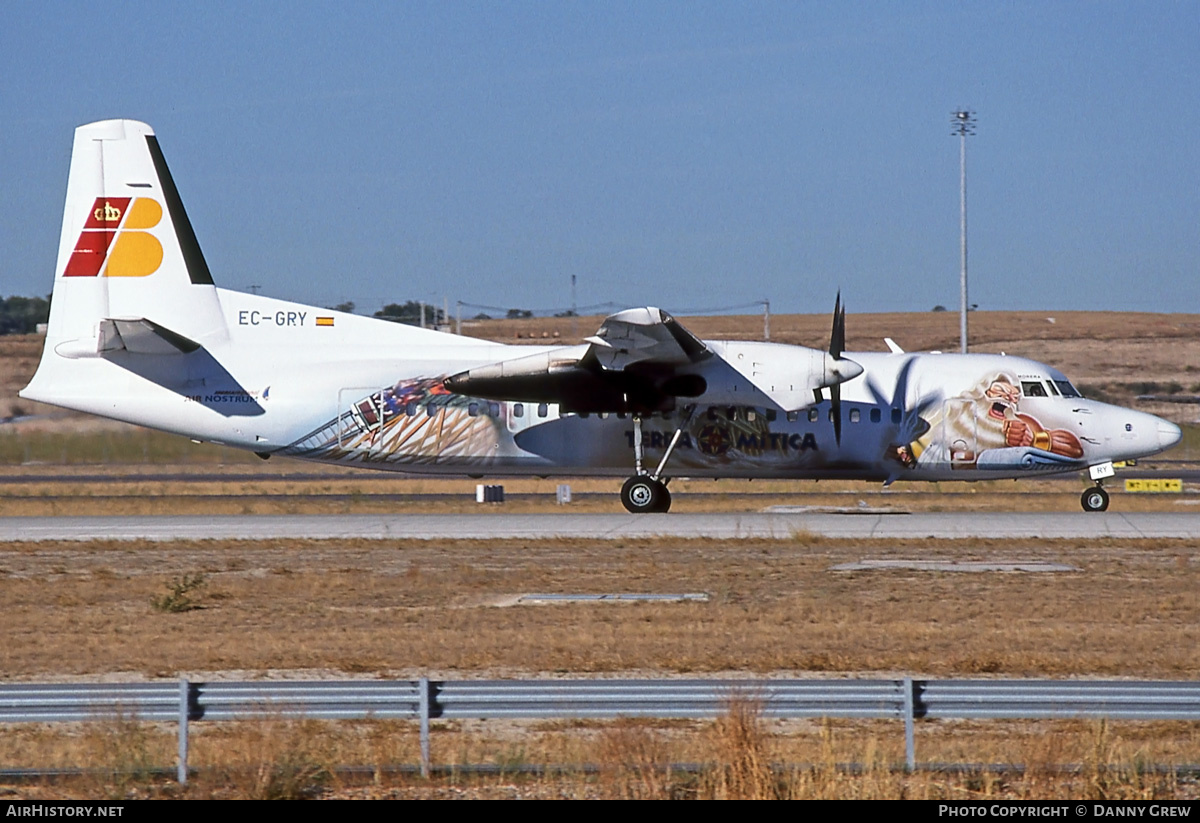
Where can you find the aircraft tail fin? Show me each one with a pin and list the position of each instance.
(127, 249)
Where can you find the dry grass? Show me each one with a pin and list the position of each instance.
(387, 608)
(739, 756)
(124, 754)
(743, 754)
(275, 759)
(442, 607)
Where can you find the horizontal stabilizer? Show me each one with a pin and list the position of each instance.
(136, 335)
(141, 336)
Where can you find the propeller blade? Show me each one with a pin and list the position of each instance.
(837, 338)
(837, 344)
(835, 397)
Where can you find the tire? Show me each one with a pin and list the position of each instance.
(643, 495)
(1094, 500)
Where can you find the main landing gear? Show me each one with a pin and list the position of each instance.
(1095, 499)
(646, 493)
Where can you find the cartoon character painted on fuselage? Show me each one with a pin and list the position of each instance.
(985, 423)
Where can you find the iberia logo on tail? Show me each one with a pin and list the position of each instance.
(114, 234)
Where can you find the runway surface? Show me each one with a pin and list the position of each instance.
(614, 526)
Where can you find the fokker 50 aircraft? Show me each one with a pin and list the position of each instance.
(139, 332)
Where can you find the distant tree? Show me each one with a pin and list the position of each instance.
(410, 313)
(567, 313)
(482, 316)
(516, 314)
(939, 307)
(347, 307)
(21, 315)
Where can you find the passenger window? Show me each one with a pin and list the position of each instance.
(812, 415)
(771, 415)
(473, 409)
(897, 415)
(1033, 388)
(751, 415)
(876, 415)
(855, 415)
(494, 409)
(543, 410)
(518, 409)
(430, 410)
(411, 408)
(731, 413)
(793, 416)
(712, 413)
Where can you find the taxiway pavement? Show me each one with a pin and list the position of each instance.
(614, 526)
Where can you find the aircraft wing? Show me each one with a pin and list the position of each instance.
(647, 335)
(628, 365)
(640, 360)
(650, 340)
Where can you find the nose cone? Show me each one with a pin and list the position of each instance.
(1125, 434)
(1168, 434)
(839, 370)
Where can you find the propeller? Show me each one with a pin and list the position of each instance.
(837, 344)
(912, 423)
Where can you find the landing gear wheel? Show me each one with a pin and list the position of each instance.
(645, 494)
(1094, 500)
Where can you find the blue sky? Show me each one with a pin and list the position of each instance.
(676, 154)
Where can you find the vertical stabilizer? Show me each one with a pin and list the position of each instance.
(127, 249)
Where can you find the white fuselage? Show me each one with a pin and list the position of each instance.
(364, 392)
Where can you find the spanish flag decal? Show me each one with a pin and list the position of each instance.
(324, 321)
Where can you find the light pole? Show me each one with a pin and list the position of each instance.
(963, 124)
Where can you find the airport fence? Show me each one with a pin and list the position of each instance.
(907, 700)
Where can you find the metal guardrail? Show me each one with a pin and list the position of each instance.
(665, 698)
(423, 700)
(1045, 699)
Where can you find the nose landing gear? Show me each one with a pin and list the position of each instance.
(1095, 499)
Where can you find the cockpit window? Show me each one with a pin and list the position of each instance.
(1033, 388)
(1067, 389)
